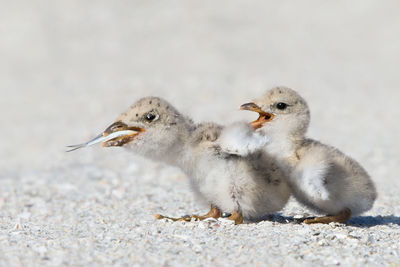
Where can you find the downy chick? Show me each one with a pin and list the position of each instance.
(247, 187)
(321, 177)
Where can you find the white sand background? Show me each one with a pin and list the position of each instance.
(68, 68)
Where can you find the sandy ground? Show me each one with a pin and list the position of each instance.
(68, 68)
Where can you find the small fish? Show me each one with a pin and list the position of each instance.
(100, 138)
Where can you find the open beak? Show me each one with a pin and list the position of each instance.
(263, 118)
(119, 127)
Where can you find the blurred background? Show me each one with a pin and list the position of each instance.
(68, 68)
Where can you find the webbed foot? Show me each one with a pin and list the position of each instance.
(341, 217)
(237, 217)
(213, 213)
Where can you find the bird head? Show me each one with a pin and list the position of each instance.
(157, 128)
(282, 111)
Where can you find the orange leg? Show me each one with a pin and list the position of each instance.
(237, 217)
(213, 213)
(341, 217)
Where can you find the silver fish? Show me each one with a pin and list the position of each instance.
(100, 138)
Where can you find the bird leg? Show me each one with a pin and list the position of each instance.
(237, 217)
(186, 218)
(341, 217)
(213, 213)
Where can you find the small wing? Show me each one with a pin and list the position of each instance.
(311, 174)
(240, 139)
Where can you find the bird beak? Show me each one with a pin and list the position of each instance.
(263, 118)
(132, 133)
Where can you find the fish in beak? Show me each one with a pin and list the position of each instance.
(117, 134)
(263, 118)
(129, 133)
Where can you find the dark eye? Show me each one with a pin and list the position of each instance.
(151, 117)
(281, 106)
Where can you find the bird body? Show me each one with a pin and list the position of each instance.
(328, 181)
(253, 185)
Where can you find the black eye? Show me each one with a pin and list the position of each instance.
(281, 105)
(151, 117)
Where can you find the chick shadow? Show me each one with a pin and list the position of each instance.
(371, 221)
(360, 221)
(278, 218)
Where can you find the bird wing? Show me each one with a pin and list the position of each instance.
(240, 139)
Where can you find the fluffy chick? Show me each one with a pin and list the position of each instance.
(321, 177)
(246, 187)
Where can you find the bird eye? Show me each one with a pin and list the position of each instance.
(151, 117)
(281, 105)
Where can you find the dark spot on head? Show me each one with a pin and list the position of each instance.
(137, 115)
(158, 105)
(276, 182)
(150, 102)
(280, 91)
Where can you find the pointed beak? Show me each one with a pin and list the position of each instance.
(252, 107)
(263, 118)
(131, 133)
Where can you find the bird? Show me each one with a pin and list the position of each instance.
(235, 186)
(320, 176)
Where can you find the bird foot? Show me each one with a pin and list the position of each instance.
(213, 213)
(237, 217)
(341, 217)
(186, 218)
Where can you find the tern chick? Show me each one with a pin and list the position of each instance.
(322, 177)
(248, 187)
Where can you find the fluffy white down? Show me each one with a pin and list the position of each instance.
(309, 176)
(232, 186)
(240, 139)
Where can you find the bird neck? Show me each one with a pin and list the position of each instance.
(186, 153)
(177, 156)
(283, 146)
(180, 150)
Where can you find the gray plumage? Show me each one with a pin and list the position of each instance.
(321, 177)
(252, 185)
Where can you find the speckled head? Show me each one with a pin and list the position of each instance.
(282, 110)
(158, 124)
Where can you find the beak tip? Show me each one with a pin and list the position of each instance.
(249, 106)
